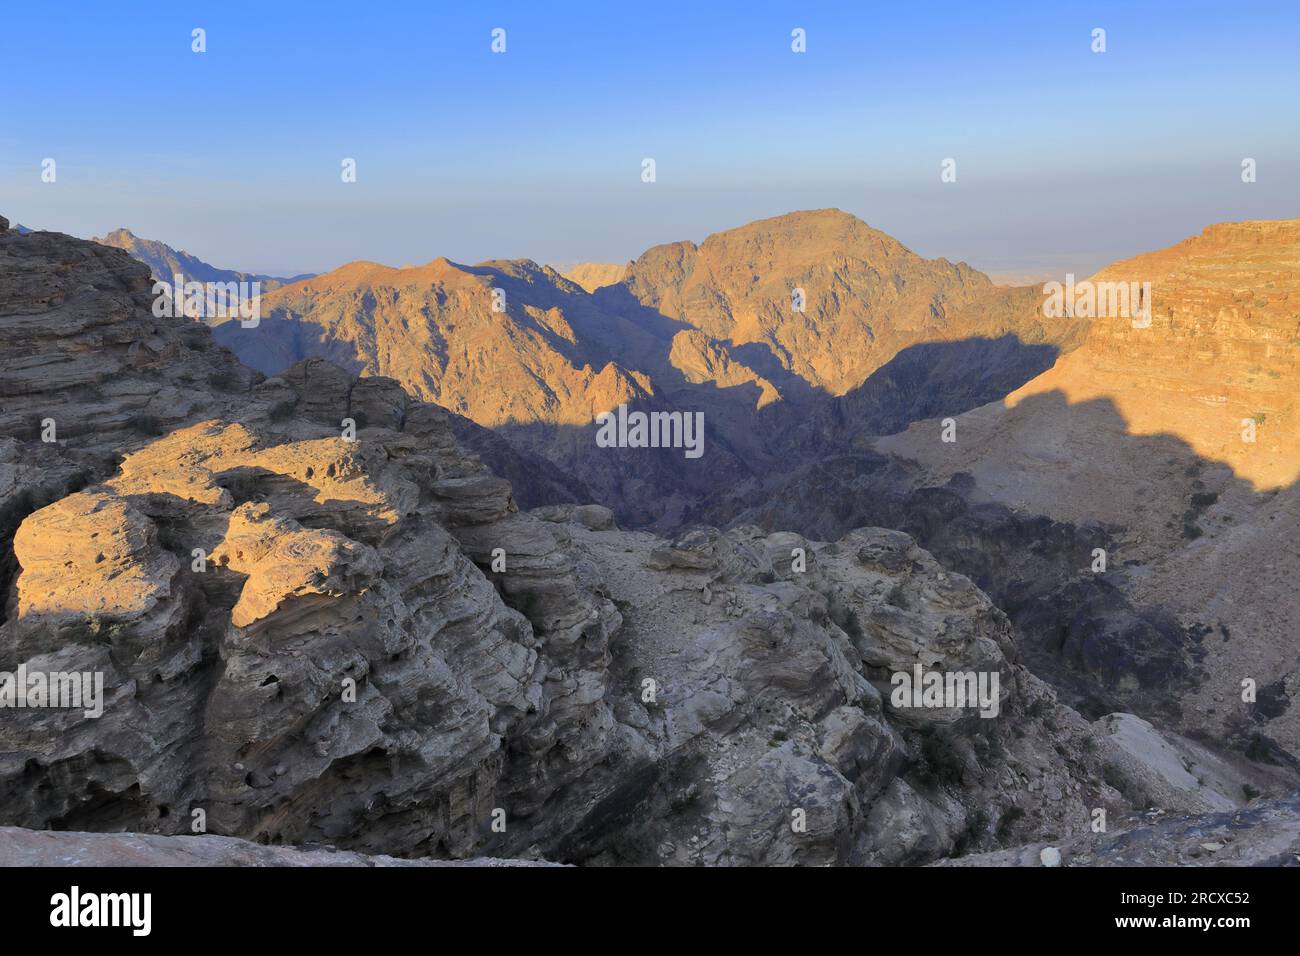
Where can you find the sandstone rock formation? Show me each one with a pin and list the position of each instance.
(1183, 440)
(319, 621)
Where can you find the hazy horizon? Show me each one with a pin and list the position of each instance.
(236, 158)
(1029, 271)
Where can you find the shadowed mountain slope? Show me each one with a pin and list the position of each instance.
(1184, 438)
(312, 636)
(770, 330)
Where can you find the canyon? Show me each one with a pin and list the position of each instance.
(1074, 432)
(676, 659)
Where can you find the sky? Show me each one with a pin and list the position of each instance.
(1066, 159)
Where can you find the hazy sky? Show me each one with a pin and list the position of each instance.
(1065, 158)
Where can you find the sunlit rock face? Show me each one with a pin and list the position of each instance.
(1180, 437)
(795, 336)
(318, 620)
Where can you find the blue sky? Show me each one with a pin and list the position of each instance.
(1066, 159)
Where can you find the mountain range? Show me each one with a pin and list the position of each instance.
(325, 635)
(784, 331)
(826, 357)
(1072, 502)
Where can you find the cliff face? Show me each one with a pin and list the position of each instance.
(1182, 439)
(1222, 348)
(316, 635)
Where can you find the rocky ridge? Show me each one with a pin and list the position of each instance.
(19, 847)
(1266, 834)
(878, 338)
(593, 275)
(316, 636)
(165, 263)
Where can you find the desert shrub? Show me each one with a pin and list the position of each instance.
(846, 618)
(1007, 822)
(940, 761)
(971, 834)
(1262, 750)
(633, 845)
(222, 380)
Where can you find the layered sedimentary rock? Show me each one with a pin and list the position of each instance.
(319, 621)
(1180, 440)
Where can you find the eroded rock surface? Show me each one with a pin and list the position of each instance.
(19, 847)
(1264, 834)
(319, 621)
(1181, 437)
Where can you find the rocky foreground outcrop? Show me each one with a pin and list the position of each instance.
(1265, 834)
(19, 847)
(319, 621)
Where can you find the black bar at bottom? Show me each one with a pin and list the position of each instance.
(338, 906)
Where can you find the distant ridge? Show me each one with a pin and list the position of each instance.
(595, 275)
(774, 327)
(165, 263)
